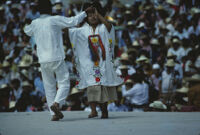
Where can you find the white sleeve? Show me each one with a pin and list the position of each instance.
(29, 30)
(127, 93)
(73, 36)
(64, 22)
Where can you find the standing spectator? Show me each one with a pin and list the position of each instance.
(169, 78)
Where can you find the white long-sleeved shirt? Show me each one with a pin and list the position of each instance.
(138, 94)
(47, 32)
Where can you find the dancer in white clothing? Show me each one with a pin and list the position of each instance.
(47, 32)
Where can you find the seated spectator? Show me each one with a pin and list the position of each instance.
(138, 93)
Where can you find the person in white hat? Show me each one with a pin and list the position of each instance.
(156, 81)
(177, 67)
(94, 52)
(32, 13)
(58, 8)
(47, 31)
(177, 49)
(138, 94)
(169, 80)
(124, 60)
(132, 31)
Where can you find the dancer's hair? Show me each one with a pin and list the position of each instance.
(44, 6)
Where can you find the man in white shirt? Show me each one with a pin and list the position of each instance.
(47, 32)
(137, 94)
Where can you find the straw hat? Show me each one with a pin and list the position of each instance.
(129, 81)
(185, 99)
(3, 86)
(182, 90)
(1, 8)
(57, 1)
(158, 105)
(111, 19)
(168, 20)
(12, 104)
(135, 43)
(175, 40)
(154, 41)
(8, 2)
(58, 7)
(6, 64)
(124, 56)
(130, 23)
(195, 78)
(22, 2)
(195, 10)
(141, 25)
(123, 67)
(172, 2)
(26, 61)
(142, 58)
(156, 66)
(75, 91)
(24, 64)
(170, 63)
(127, 12)
(25, 83)
(127, 5)
(169, 54)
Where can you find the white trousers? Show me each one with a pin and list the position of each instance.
(55, 73)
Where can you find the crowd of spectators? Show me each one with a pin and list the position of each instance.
(157, 53)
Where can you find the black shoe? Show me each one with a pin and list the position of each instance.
(56, 110)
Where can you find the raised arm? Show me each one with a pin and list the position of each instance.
(104, 21)
(65, 22)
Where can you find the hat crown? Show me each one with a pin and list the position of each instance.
(135, 43)
(124, 56)
(170, 63)
(154, 41)
(156, 66)
(142, 58)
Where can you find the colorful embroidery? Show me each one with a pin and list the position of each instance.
(96, 63)
(72, 45)
(97, 73)
(94, 43)
(110, 40)
(97, 79)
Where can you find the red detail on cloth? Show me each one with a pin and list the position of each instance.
(77, 82)
(97, 79)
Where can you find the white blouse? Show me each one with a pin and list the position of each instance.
(91, 73)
